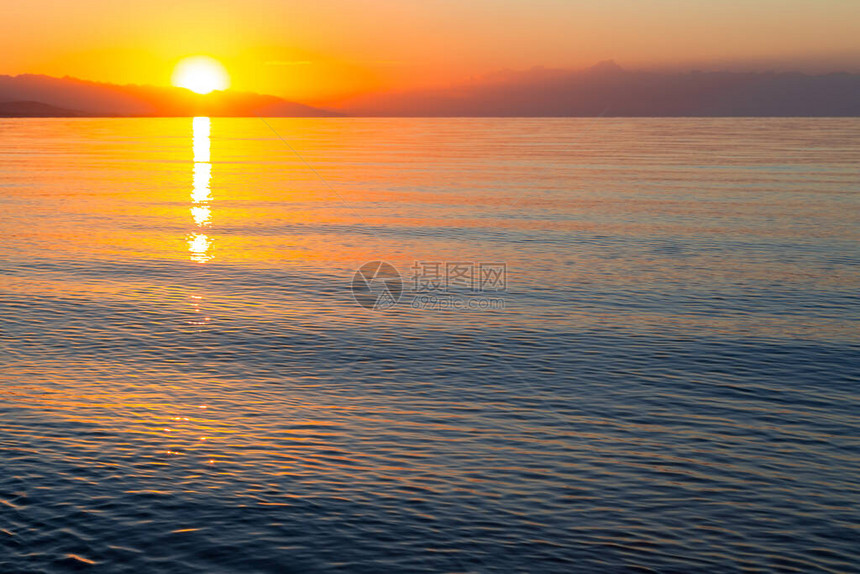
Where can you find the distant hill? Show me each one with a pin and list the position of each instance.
(607, 89)
(43, 96)
(34, 110)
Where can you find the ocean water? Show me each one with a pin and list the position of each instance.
(615, 345)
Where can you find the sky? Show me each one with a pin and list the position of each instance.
(324, 50)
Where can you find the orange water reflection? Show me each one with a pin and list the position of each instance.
(561, 204)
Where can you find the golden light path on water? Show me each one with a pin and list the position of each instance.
(199, 244)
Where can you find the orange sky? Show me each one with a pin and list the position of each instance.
(326, 49)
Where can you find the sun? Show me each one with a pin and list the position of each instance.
(200, 74)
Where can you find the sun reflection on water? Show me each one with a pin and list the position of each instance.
(202, 177)
(201, 214)
(202, 128)
(199, 244)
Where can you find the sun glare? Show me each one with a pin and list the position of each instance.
(200, 74)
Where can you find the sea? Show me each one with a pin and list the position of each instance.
(429, 345)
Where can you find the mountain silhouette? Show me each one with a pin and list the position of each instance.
(45, 96)
(605, 89)
(34, 110)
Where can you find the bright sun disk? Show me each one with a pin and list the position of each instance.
(200, 74)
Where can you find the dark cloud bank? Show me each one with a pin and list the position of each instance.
(606, 89)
